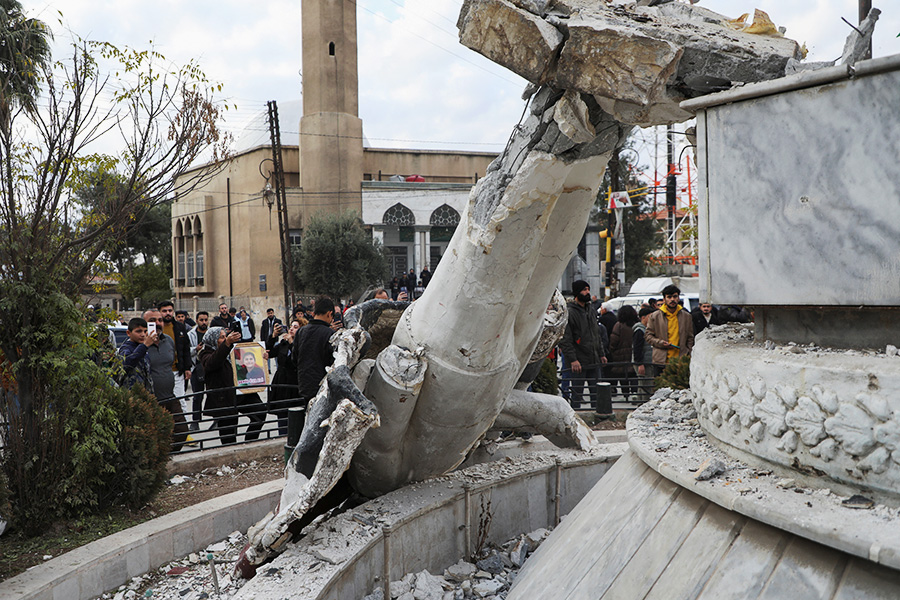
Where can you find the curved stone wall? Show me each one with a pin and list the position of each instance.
(818, 411)
(639, 536)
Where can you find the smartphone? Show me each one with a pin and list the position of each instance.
(674, 346)
(151, 327)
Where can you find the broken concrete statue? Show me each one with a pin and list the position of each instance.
(462, 355)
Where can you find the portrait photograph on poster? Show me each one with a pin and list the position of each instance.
(250, 368)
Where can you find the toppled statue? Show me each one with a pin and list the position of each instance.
(464, 353)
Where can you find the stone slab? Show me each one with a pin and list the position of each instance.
(803, 167)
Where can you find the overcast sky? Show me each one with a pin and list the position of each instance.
(418, 86)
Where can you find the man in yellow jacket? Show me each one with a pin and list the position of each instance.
(670, 330)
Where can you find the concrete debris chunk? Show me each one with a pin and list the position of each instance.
(461, 571)
(519, 552)
(510, 36)
(492, 564)
(537, 536)
(487, 588)
(638, 62)
(398, 588)
(329, 555)
(428, 587)
(710, 468)
(891, 350)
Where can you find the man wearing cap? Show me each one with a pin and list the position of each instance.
(670, 330)
(582, 347)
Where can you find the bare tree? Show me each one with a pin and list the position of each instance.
(163, 118)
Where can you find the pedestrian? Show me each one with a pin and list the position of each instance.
(425, 276)
(608, 318)
(222, 403)
(643, 355)
(284, 393)
(248, 328)
(705, 315)
(395, 288)
(620, 350)
(582, 346)
(670, 330)
(198, 376)
(182, 365)
(223, 319)
(312, 349)
(133, 352)
(411, 283)
(267, 327)
(162, 356)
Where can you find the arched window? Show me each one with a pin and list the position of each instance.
(398, 215)
(444, 216)
(443, 221)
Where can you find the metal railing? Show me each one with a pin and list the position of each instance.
(250, 418)
(609, 387)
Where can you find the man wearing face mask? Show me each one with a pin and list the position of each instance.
(582, 347)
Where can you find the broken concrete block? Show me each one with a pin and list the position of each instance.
(615, 62)
(509, 36)
(638, 61)
(709, 469)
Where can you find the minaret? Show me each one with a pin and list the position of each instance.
(331, 150)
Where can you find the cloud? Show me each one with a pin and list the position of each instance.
(416, 82)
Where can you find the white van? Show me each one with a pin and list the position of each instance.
(651, 287)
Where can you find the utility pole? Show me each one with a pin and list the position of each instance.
(670, 187)
(864, 7)
(281, 196)
(614, 186)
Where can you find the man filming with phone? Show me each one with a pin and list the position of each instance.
(162, 356)
(670, 330)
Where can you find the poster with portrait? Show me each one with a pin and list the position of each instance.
(250, 369)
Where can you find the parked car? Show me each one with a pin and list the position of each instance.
(117, 335)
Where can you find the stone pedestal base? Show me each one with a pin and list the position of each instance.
(817, 411)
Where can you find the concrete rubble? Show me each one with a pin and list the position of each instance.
(488, 578)
(638, 62)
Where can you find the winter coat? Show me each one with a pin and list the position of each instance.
(620, 349)
(312, 353)
(700, 322)
(219, 375)
(266, 329)
(285, 372)
(136, 364)
(643, 352)
(582, 340)
(658, 335)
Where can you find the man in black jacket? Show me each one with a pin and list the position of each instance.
(312, 351)
(268, 326)
(223, 319)
(582, 347)
(705, 315)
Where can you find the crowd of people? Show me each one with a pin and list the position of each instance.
(165, 349)
(630, 347)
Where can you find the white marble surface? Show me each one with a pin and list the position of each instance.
(803, 196)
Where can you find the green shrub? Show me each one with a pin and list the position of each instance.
(86, 445)
(546, 381)
(676, 375)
